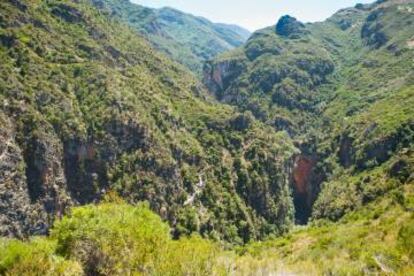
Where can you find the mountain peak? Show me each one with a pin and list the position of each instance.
(289, 26)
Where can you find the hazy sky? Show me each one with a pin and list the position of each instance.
(255, 14)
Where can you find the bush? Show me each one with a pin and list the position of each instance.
(113, 239)
(34, 258)
(110, 239)
(406, 239)
(191, 256)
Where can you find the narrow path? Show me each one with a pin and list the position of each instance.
(198, 190)
(383, 266)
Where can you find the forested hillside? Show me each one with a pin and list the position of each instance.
(187, 39)
(293, 156)
(89, 107)
(342, 89)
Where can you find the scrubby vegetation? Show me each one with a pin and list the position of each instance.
(306, 123)
(114, 238)
(88, 106)
(343, 91)
(372, 240)
(187, 39)
(109, 239)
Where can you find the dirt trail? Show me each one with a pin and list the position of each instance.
(198, 190)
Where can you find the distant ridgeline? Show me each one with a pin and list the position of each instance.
(303, 121)
(185, 38)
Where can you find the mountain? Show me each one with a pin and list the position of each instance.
(88, 107)
(187, 39)
(295, 157)
(245, 34)
(342, 89)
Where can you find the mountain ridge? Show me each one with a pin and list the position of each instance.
(91, 107)
(296, 156)
(303, 78)
(187, 39)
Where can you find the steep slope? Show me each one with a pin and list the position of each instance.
(90, 111)
(375, 240)
(114, 238)
(87, 107)
(342, 89)
(187, 39)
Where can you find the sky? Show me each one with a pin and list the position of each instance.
(255, 14)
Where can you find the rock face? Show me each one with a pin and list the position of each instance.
(372, 31)
(18, 215)
(218, 76)
(45, 174)
(346, 151)
(67, 13)
(364, 155)
(290, 27)
(305, 187)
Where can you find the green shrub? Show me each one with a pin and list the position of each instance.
(34, 258)
(120, 239)
(110, 239)
(191, 256)
(406, 239)
(113, 239)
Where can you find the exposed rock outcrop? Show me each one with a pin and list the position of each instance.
(305, 184)
(363, 155)
(19, 215)
(67, 13)
(346, 151)
(218, 76)
(372, 32)
(290, 27)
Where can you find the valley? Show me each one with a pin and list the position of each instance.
(138, 141)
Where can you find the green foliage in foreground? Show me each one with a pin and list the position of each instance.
(119, 239)
(109, 239)
(375, 240)
(36, 257)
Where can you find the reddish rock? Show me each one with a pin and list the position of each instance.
(302, 173)
(305, 187)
